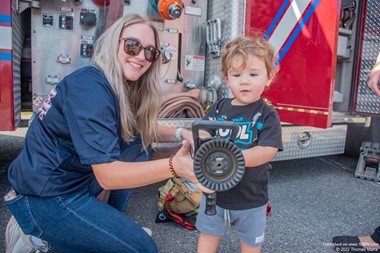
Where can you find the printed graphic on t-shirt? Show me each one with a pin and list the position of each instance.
(247, 134)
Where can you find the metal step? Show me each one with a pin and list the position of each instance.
(368, 166)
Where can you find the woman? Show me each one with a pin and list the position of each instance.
(94, 132)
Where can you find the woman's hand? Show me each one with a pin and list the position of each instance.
(188, 136)
(374, 78)
(204, 189)
(183, 163)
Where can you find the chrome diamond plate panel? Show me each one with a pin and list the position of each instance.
(183, 122)
(367, 102)
(232, 15)
(322, 142)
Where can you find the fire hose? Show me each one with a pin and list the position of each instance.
(189, 104)
(218, 163)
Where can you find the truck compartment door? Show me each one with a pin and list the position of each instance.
(7, 118)
(365, 101)
(305, 34)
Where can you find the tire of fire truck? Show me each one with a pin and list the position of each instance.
(356, 135)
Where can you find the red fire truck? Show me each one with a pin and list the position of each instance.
(326, 49)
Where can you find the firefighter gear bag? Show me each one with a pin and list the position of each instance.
(179, 201)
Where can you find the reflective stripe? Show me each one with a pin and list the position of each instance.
(287, 23)
(294, 18)
(298, 29)
(6, 37)
(276, 18)
(5, 56)
(5, 19)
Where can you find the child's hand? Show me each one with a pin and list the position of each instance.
(204, 189)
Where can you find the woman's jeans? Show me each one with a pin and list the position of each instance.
(79, 222)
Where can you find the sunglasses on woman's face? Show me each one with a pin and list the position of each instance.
(133, 47)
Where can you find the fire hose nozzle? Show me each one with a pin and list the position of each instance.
(218, 163)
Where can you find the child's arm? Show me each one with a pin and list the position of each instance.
(258, 155)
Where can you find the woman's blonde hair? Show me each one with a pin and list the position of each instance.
(139, 100)
(244, 47)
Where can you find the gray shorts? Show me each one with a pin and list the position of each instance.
(248, 225)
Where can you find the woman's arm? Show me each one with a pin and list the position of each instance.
(121, 175)
(170, 134)
(374, 77)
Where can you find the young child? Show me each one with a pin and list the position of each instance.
(248, 67)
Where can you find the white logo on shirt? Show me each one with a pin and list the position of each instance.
(47, 104)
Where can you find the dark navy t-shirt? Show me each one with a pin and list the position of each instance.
(78, 125)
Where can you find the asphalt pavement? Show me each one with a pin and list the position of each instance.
(312, 200)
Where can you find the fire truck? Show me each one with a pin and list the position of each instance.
(326, 50)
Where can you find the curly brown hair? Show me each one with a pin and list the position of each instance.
(244, 47)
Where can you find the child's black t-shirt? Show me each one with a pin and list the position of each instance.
(259, 126)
